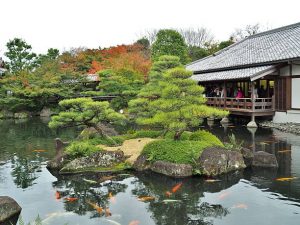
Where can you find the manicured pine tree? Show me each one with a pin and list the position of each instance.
(180, 105)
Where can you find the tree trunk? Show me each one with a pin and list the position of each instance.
(177, 135)
(98, 129)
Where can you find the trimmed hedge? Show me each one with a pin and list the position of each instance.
(202, 135)
(81, 148)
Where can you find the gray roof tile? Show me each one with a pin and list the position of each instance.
(266, 47)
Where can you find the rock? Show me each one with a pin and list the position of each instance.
(21, 115)
(60, 158)
(224, 120)
(99, 161)
(248, 156)
(264, 159)
(141, 163)
(4, 114)
(172, 169)
(216, 160)
(252, 124)
(46, 112)
(9, 210)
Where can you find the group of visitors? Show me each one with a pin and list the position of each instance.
(234, 92)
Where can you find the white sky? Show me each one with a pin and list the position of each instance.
(92, 23)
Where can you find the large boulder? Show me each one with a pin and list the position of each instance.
(102, 161)
(9, 210)
(141, 163)
(172, 169)
(60, 158)
(264, 159)
(216, 160)
(248, 156)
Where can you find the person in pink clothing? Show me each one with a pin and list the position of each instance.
(239, 93)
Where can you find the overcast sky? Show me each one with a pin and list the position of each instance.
(92, 23)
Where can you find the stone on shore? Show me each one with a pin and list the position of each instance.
(172, 169)
(141, 163)
(9, 210)
(248, 156)
(102, 161)
(264, 159)
(216, 160)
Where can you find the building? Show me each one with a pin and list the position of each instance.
(266, 64)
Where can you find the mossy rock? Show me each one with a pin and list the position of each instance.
(21, 115)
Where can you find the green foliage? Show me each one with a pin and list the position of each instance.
(32, 91)
(146, 134)
(37, 221)
(175, 151)
(19, 55)
(179, 107)
(184, 136)
(202, 135)
(140, 107)
(85, 112)
(234, 144)
(52, 54)
(196, 53)
(123, 83)
(143, 42)
(169, 42)
(81, 148)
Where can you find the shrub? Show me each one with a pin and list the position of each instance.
(79, 149)
(175, 151)
(234, 144)
(202, 135)
(184, 137)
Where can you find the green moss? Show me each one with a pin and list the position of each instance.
(116, 168)
(202, 135)
(81, 148)
(175, 151)
(147, 134)
(184, 136)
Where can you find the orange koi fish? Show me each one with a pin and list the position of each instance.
(168, 194)
(146, 198)
(96, 207)
(71, 199)
(240, 206)
(39, 150)
(176, 187)
(57, 195)
(134, 222)
(107, 212)
(223, 195)
(111, 198)
(286, 178)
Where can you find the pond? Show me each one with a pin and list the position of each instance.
(245, 197)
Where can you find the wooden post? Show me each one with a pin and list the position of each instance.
(252, 122)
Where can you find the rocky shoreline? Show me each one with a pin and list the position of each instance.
(293, 128)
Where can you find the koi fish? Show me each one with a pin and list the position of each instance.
(146, 198)
(171, 200)
(107, 212)
(71, 199)
(240, 206)
(134, 222)
(90, 181)
(39, 150)
(57, 195)
(176, 187)
(168, 194)
(105, 178)
(223, 195)
(286, 178)
(111, 198)
(284, 151)
(212, 180)
(112, 222)
(96, 207)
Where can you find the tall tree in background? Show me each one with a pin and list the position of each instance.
(20, 55)
(52, 54)
(248, 30)
(170, 42)
(199, 37)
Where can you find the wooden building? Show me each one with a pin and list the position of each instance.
(264, 68)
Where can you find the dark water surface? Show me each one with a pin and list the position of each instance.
(246, 197)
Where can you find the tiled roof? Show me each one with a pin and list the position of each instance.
(266, 47)
(233, 74)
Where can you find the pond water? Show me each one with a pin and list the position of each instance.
(245, 197)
